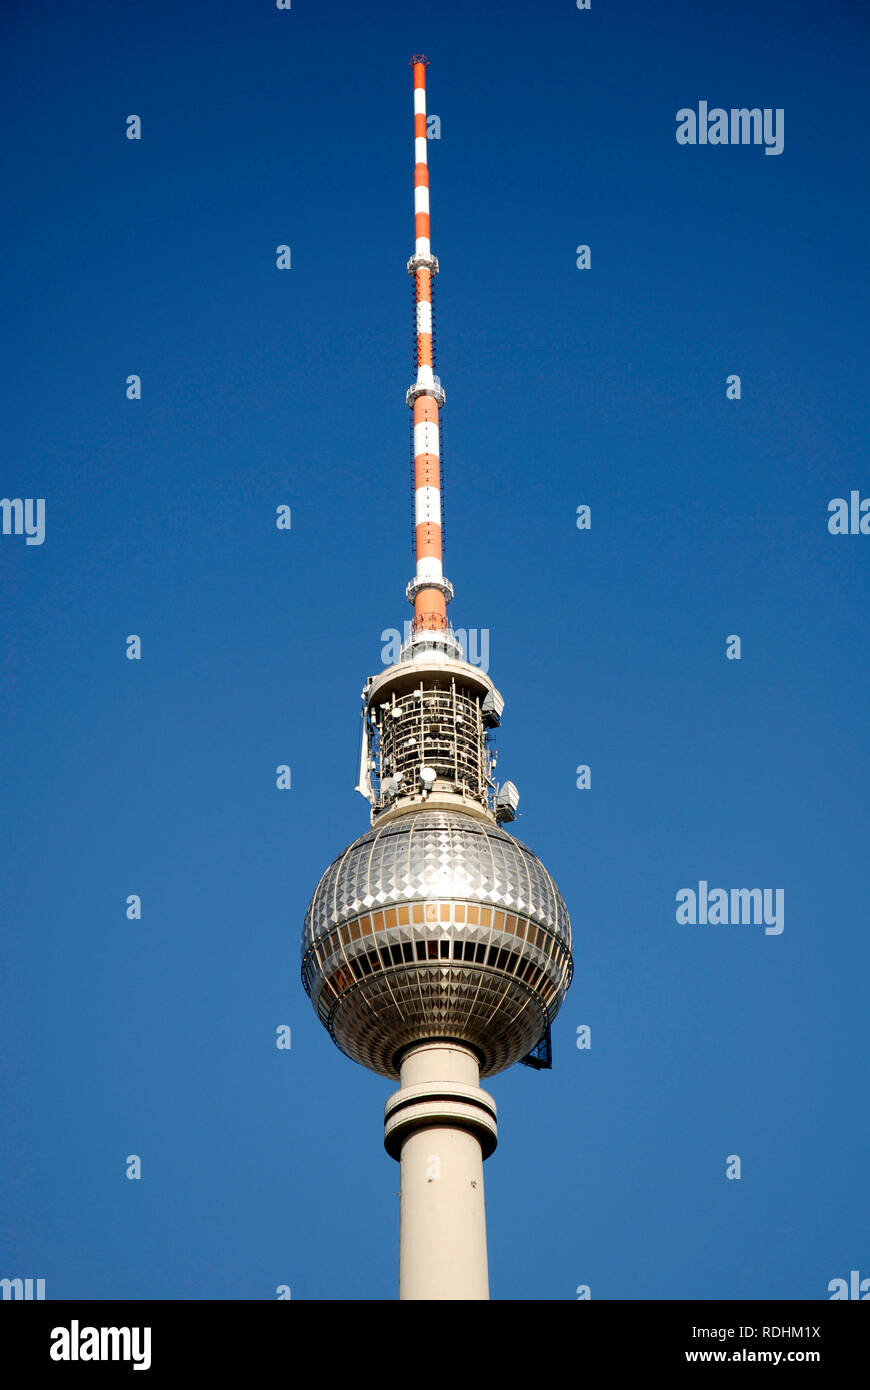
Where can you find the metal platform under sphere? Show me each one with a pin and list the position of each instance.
(436, 925)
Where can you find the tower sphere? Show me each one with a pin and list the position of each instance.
(436, 925)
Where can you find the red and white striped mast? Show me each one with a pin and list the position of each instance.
(429, 591)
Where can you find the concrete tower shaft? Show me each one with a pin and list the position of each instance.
(441, 1126)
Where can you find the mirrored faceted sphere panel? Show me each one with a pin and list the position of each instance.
(437, 924)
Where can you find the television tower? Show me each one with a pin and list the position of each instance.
(436, 948)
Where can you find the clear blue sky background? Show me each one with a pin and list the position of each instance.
(263, 387)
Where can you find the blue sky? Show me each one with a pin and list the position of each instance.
(565, 387)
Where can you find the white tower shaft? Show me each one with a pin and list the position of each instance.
(441, 1126)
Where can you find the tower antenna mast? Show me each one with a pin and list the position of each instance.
(429, 591)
